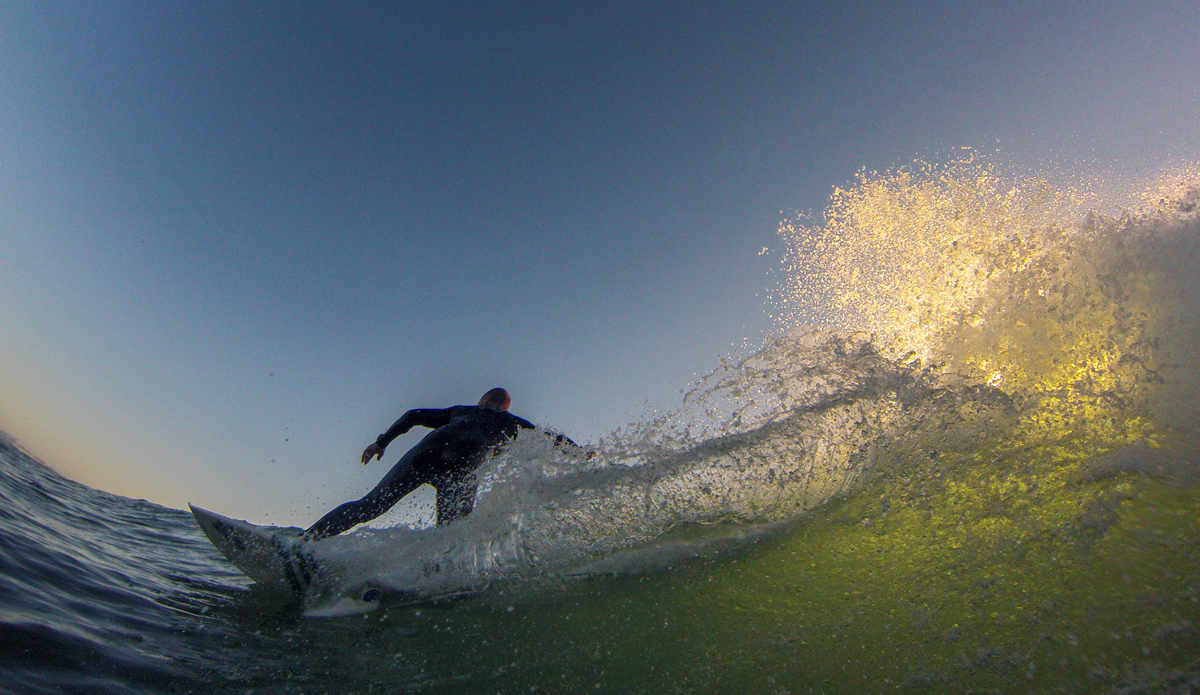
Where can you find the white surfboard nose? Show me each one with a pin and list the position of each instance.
(262, 553)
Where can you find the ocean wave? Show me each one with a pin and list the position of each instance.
(981, 458)
(972, 299)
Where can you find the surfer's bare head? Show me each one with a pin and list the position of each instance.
(496, 398)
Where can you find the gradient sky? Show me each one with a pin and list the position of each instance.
(237, 240)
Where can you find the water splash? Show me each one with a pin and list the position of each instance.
(1009, 280)
(808, 413)
(957, 303)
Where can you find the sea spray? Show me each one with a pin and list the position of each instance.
(1008, 280)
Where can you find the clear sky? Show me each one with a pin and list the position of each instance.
(237, 240)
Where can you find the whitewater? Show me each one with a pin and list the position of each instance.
(967, 461)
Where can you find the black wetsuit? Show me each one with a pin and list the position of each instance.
(463, 437)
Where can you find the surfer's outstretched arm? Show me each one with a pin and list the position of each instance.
(561, 441)
(432, 418)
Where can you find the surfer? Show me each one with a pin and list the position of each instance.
(463, 437)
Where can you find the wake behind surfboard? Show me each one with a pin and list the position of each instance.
(263, 553)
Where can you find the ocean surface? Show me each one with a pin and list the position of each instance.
(968, 462)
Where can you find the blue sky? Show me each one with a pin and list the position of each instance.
(238, 239)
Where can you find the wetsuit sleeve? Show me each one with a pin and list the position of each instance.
(559, 439)
(432, 418)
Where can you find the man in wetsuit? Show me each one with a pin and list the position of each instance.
(463, 437)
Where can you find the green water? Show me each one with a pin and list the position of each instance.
(1025, 564)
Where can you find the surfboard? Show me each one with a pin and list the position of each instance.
(260, 552)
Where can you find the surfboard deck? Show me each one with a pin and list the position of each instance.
(260, 552)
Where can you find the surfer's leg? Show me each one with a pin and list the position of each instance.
(404, 477)
(455, 496)
(456, 482)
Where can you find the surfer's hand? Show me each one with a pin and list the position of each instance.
(373, 450)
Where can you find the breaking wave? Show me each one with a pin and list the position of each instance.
(950, 303)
